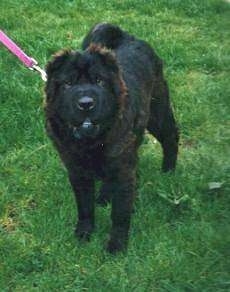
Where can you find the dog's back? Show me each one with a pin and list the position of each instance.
(114, 38)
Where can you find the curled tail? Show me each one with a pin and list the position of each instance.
(105, 34)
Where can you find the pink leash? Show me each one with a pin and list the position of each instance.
(18, 52)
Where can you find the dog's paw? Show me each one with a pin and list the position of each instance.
(84, 230)
(115, 246)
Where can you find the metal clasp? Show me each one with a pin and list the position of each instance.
(35, 67)
(40, 71)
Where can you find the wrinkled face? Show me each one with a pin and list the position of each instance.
(83, 91)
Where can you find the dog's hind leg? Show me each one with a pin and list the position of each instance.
(162, 124)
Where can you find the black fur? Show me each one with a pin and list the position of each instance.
(99, 103)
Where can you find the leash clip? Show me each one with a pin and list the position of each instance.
(37, 68)
(40, 71)
(18, 52)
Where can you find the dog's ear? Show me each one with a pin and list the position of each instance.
(106, 56)
(53, 66)
(109, 60)
(58, 60)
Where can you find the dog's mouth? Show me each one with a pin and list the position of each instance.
(87, 129)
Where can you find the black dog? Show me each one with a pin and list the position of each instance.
(99, 103)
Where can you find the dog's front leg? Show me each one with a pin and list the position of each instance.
(83, 186)
(122, 206)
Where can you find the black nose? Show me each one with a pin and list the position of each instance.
(86, 103)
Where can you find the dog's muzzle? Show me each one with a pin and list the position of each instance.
(86, 130)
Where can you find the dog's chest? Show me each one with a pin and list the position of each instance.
(95, 161)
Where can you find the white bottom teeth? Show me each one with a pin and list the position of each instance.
(86, 125)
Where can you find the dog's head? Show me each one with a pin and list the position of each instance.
(85, 91)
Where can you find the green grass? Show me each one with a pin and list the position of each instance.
(180, 237)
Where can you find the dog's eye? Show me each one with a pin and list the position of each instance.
(99, 81)
(67, 84)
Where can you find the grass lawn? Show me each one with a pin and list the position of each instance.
(180, 235)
